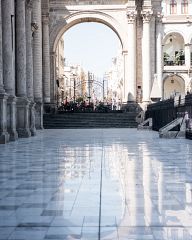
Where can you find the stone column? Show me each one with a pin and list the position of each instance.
(46, 59)
(37, 64)
(29, 68)
(53, 79)
(188, 55)
(22, 101)
(146, 56)
(4, 136)
(8, 36)
(131, 96)
(159, 56)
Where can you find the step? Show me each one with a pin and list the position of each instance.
(90, 120)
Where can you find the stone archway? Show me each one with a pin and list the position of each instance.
(173, 85)
(174, 49)
(81, 17)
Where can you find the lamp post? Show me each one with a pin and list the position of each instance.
(57, 83)
(74, 86)
(104, 80)
(89, 87)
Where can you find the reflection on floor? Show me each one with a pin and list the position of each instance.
(119, 184)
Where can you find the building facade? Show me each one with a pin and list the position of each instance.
(155, 36)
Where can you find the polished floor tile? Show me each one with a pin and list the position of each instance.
(96, 184)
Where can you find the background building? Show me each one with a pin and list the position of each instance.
(177, 54)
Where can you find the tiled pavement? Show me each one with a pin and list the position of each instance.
(119, 184)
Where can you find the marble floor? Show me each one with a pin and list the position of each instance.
(109, 184)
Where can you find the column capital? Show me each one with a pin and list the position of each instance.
(29, 4)
(45, 18)
(131, 16)
(147, 15)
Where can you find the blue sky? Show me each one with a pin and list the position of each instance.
(91, 44)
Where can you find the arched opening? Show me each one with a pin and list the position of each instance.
(174, 85)
(73, 83)
(174, 49)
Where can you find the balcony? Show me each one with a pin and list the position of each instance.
(174, 63)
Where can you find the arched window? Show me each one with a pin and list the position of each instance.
(173, 7)
(184, 6)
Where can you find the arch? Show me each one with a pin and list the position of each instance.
(81, 17)
(173, 85)
(174, 49)
(173, 32)
(60, 26)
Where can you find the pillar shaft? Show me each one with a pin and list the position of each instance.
(8, 45)
(29, 68)
(53, 77)
(146, 56)
(37, 64)
(20, 48)
(4, 136)
(159, 56)
(46, 60)
(29, 53)
(131, 94)
(188, 56)
(1, 62)
(37, 51)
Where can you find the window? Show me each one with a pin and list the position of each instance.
(184, 6)
(173, 7)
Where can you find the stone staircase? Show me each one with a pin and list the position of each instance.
(90, 120)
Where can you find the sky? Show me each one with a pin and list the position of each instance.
(93, 45)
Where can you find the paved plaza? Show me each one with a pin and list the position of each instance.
(119, 184)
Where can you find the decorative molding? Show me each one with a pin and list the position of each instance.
(159, 17)
(131, 16)
(147, 15)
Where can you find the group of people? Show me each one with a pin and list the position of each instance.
(86, 106)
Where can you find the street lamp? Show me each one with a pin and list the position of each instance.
(90, 79)
(74, 86)
(105, 80)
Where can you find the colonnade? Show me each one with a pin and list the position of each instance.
(22, 68)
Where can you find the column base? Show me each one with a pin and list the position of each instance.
(11, 118)
(32, 119)
(131, 106)
(23, 117)
(39, 115)
(50, 108)
(4, 136)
